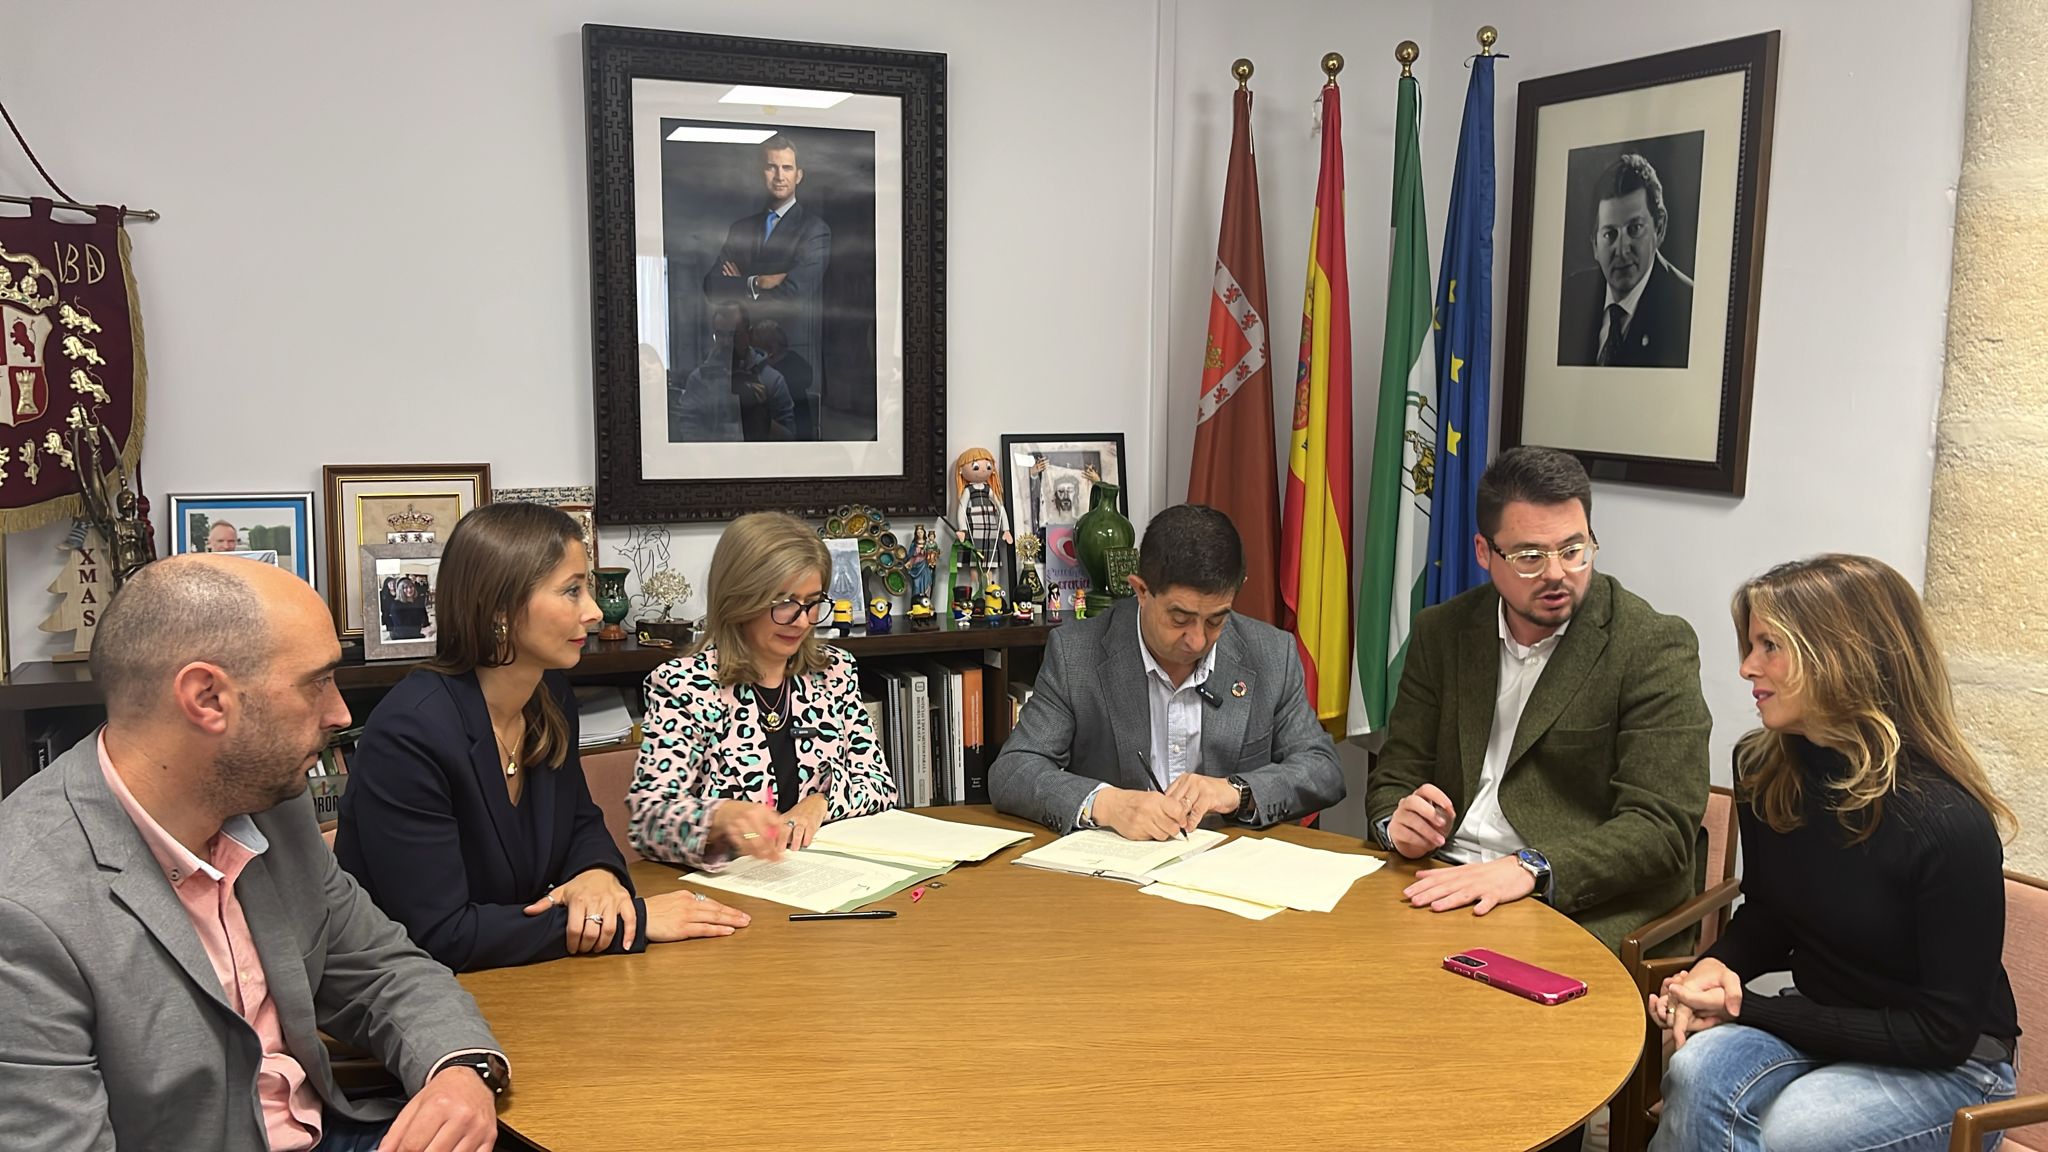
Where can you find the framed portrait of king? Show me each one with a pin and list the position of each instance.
(767, 275)
(1636, 265)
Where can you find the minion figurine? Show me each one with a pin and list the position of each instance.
(878, 616)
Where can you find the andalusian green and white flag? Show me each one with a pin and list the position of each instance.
(1392, 584)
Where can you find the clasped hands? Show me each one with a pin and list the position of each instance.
(1696, 999)
(1421, 824)
(1147, 815)
(600, 909)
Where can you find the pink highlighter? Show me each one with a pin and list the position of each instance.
(1511, 975)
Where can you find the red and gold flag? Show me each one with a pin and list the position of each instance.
(1315, 545)
(1235, 468)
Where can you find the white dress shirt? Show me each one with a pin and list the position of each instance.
(1176, 722)
(1628, 304)
(1486, 833)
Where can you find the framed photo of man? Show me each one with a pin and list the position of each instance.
(275, 528)
(1636, 263)
(1050, 478)
(767, 275)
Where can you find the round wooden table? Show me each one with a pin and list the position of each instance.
(1019, 1009)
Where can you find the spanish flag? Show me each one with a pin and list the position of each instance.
(1315, 535)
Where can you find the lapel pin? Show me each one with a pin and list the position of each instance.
(1239, 688)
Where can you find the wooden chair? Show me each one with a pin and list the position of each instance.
(2026, 965)
(609, 775)
(1633, 1115)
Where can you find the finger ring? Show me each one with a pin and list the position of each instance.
(750, 835)
(696, 896)
(553, 900)
(596, 919)
(789, 823)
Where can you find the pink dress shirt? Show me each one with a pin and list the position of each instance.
(291, 1108)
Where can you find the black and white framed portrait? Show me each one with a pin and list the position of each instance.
(1640, 191)
(767, 275)
(1049, 479)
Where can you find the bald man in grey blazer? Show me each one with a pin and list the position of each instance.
(174, 933)
(1168, 709)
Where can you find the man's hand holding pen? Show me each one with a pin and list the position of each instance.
(1143, 815)
(1203, 796)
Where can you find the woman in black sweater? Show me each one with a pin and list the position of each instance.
(1872, 873)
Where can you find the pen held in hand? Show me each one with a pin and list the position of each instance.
(1152, 785)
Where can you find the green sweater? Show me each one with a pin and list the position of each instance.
(1607, 776)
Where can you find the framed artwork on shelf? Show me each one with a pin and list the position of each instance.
(398, 610)
(579, 501)
(273, 527)
(1637, 262)
(1048, 478)
(374, 504)
(767, 228)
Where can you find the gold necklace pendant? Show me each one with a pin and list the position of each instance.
(511, 768)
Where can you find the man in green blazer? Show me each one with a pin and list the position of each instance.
(1549, 737)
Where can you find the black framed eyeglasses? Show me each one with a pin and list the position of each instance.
(1529, 563)
(788, 610)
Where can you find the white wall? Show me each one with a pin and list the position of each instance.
(374, 245)
(1866, 154)
(384, 212)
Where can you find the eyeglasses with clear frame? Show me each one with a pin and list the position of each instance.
(1530, 563)
(788, 609)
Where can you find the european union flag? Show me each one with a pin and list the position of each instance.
(1464, 348)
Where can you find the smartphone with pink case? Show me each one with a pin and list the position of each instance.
(1512, 975)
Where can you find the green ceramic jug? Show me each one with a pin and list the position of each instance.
(1100, 529)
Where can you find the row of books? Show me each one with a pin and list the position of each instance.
(930, 717)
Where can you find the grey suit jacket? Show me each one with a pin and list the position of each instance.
(115, 1030)
(1089, 721)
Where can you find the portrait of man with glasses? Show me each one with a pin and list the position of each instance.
(1549, 738)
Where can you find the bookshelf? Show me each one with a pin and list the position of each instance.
(42, 694)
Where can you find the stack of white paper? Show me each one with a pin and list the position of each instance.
(812, 881)
(1272, 873)
(899, 835)
(1101, 852)
(603, 716)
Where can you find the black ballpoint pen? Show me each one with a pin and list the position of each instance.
(869, 914)
(1152, 785)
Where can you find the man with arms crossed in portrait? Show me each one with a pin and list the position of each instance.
(175, 934)
(1549, 738)
(1168, 708)
(774, 261)
(1635, 309)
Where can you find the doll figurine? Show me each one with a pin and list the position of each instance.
(978, 510)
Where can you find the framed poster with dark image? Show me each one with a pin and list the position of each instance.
(1048, 478)
(767, 275)
(1633, 281)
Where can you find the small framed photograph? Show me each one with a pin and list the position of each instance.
(271, 527)
(1049, 479)
(399, 583)
(1637, 261)
(368, 504)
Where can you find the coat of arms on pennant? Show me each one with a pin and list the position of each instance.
(71, 351)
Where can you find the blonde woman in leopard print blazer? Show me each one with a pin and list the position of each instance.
(759, 738)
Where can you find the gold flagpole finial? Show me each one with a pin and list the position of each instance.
(1242, 69)
(1488, 36)
(1406, 52)
(1332, 64)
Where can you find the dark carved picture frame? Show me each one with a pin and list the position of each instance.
(613, 58)
(1524, 378)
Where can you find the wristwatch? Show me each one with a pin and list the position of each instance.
(1538, 867)
(496, 1075)
(1247, 805)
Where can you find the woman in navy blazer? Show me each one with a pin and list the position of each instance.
(467, 818)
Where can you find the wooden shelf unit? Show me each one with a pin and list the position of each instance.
(40, 691)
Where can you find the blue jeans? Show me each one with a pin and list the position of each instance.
(340, 1134)
(1739, 1089)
